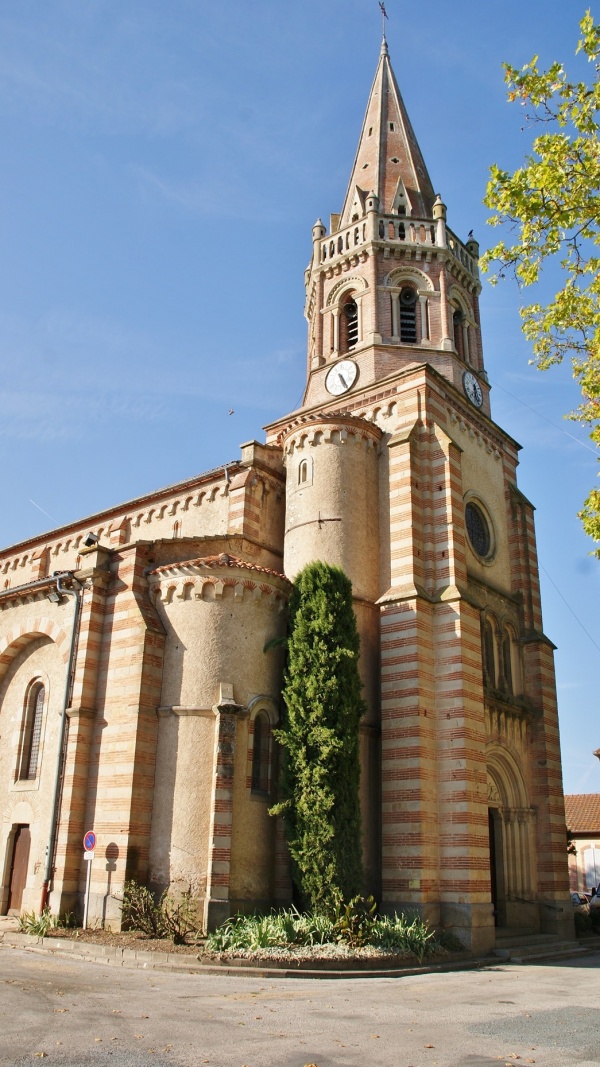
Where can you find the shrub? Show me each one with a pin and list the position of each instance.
(40, 925)
(277, 930)
(401, 934)
(167, 917)
(319, 735)
(355, 925)
(356, 922)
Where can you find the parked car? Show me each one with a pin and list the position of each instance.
(580, 904)
(595, 902)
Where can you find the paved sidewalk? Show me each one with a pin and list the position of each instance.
(78, 1014)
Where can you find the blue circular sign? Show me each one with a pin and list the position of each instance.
(89, 841)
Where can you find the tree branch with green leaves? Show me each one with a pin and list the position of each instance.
(552, 207)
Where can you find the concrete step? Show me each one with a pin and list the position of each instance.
(524, 938)
(536, 951)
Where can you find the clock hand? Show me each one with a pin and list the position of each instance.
(343, 381)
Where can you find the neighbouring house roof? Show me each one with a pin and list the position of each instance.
(583, 813)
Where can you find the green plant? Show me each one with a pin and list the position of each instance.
(139, 910)
(356, 922)
(278, 929)
(550, 207)
(402, 934)
(319, 735)
(39, 925)
(162, 918)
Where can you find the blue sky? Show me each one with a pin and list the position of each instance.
(163, 165)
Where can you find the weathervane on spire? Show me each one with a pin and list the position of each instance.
(384, 15)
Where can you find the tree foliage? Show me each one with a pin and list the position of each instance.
(319, 734)
(552, 205)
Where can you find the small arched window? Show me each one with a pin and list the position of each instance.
(260, 753)
(32, 732)
(489, 659)
(349, 325)
(458, 319)
(303, 472)
(408, 316)
(507, 664)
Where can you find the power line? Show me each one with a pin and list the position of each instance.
(545, 418)
(576, 617)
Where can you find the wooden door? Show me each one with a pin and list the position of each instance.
(18, 870)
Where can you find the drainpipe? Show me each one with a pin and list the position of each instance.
(75, 593)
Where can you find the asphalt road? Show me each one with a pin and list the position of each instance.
(78, 1014)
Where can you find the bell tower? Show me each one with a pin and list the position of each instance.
(396, 472)
(390, 285)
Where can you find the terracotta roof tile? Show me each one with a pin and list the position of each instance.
(583, 813)
(222, 560)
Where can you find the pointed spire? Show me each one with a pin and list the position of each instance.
(388, 159)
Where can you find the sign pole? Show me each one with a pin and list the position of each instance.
(89, 844)
(88, 857)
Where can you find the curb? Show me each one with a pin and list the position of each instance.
(176, 963)
(133, 959)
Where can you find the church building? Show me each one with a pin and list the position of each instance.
(139, 689)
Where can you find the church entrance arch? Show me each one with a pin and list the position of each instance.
(511, 842)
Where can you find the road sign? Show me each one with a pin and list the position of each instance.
(88, 856)
(89, 841)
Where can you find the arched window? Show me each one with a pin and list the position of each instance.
(349, 325)
(507, 665)
(32, 731)
(489, 659)
(260, 753)
(408, 316)
(303, 472)
(458, 319)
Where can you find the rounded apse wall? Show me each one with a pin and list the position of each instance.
(218, 612)
(332, 498)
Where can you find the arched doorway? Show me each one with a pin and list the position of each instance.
(21, 844)
(511, 843)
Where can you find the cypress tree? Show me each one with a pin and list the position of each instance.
(320, 738)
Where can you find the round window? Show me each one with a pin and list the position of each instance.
(478, 529)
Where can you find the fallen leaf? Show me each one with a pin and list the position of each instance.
(428, 1046)
(60, 1011)
(116, 1011)
(374, 1035)
(138, 1035)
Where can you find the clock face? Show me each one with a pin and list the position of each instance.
(472, 389)
(341, 377)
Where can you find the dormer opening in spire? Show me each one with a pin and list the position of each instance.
(401, 204)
